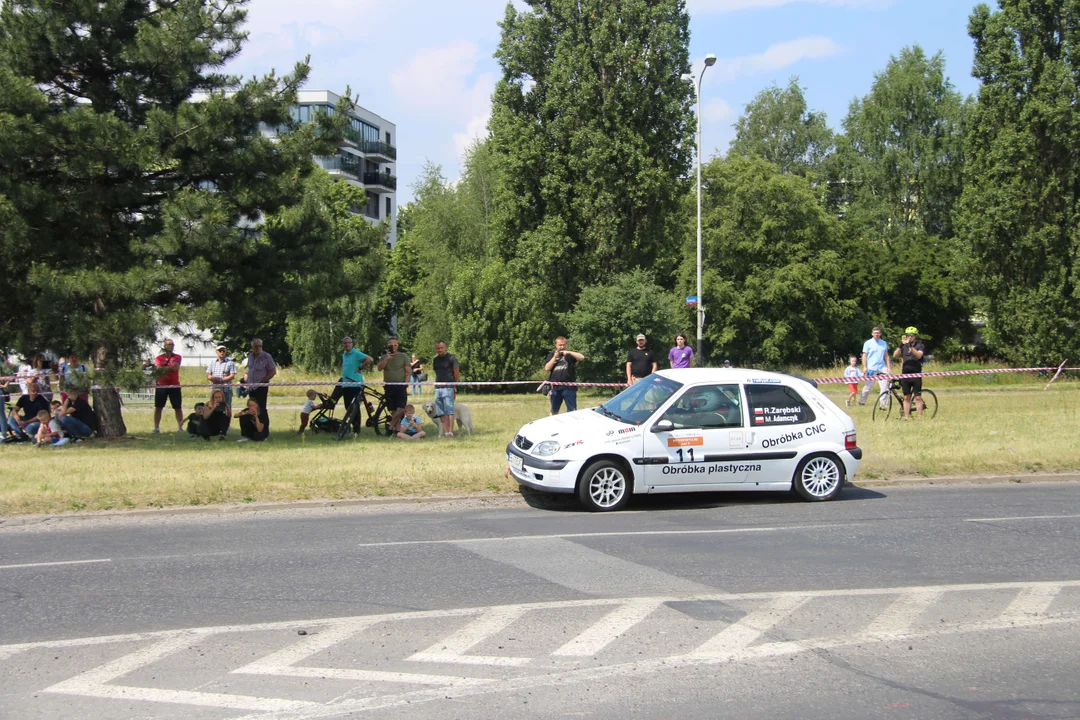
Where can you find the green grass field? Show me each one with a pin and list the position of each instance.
(984, 426)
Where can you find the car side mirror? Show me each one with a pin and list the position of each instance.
(662, 426)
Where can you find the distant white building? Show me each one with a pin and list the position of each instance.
(365, 158)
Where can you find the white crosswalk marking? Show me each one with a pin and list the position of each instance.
(1030, 602)
(453, 649)
(456, 672)
(897, 619)
(608, 628)
(732, 640)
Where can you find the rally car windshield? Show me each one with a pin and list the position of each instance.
(637, 403)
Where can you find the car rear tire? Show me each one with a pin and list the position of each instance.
(818, 478)
(605, 486)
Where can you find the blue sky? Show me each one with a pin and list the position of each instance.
(427, 64)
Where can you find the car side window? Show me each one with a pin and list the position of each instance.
(777, 405)
(707, 406)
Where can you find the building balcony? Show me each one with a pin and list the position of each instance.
(376, 149)
(380, 180)
(342, 164)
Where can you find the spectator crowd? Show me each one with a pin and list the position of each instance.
(52, 407)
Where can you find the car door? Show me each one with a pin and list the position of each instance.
(705, 443)
(778, 421)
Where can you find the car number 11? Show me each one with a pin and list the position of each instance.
(685, 449)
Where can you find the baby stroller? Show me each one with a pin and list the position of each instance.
(323, 420)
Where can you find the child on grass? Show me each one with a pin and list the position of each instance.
(411, 428)
(852, 371)
(305, 412)
(49, 431)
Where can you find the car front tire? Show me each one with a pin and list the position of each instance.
(605, 486)
(818, 478)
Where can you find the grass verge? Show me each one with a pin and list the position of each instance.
(976, 432)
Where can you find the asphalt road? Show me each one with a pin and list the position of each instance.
(933, 602)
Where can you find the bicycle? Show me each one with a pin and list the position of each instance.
(893, 396)
(378, 415)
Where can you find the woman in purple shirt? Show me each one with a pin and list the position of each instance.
(682, 355)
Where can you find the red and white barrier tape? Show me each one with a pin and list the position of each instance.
(492, 383)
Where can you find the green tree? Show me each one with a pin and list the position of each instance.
(772, 268)
(1021, 203)
(591, 133)
(607, 317)
(350, 241)
(124, 201)
(901, 155)
(777, 126)
(895, 179)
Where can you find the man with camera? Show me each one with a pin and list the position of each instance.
(395, 366)
(912, 351)
(561, 364)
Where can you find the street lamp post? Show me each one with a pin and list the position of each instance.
(710, 60)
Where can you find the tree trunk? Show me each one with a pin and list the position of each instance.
(107, 406)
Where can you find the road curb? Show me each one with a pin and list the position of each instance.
(502, 499)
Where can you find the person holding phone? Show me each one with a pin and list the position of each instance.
(254, 422)
(395, 367)
(561, 364)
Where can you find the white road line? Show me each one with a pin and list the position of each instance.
(1029, 603)
(605, 631)
(613, 533)
(737, 637)
(897, 619)
(54, 564)
(95, 683)
(1022, 517)
(453, 648)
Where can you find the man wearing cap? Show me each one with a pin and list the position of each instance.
(167, 388)
(911, 351)
(221, 373)
(727, 363)
(640, 362)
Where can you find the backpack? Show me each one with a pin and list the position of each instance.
(326, 424)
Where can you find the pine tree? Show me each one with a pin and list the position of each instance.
(134, 175)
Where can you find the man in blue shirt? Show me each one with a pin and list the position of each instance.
(352, 363)
(875, 361)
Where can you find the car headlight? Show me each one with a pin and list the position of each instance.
(548, 447)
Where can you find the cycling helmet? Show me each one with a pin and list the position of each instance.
(911, 330)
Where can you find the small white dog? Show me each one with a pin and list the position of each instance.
(462, 417)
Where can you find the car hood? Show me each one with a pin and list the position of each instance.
(576, 426)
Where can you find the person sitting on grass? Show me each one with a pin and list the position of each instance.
(71, 427)
(254, 422)
(23, 423)
(305, 412)
(49, 431)
(213, 417)
(411, 428)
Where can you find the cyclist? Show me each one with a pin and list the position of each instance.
(912, 351)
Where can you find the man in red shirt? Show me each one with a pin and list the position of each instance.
(171, 362)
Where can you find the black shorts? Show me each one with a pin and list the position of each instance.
(911, 387)
(173, 394)
(397, 397)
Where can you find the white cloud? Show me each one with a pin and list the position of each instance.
(475, 130)
(776, 57)
(722, 6)
(715, 110)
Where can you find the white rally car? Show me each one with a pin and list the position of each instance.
(691, 430)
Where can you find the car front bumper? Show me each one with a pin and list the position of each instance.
(554, 476)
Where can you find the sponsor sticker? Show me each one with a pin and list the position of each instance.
(695, 441)
(735, 439)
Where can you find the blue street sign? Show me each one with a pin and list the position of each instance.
(691, 299)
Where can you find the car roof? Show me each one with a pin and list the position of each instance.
(696, 376)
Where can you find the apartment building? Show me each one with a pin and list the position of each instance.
(366, 158)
